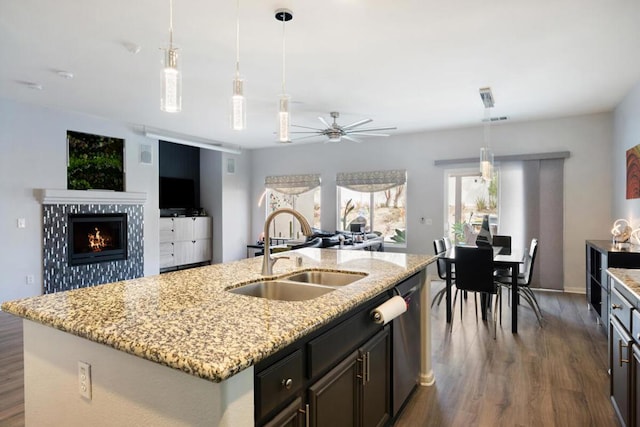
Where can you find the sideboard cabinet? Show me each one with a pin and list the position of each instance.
(600, 255)
(185, 241)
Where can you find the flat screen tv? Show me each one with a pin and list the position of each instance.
(177, 193)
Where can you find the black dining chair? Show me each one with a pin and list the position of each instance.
(474, 273)
(439, 246)
(502, 241)
(524, 281)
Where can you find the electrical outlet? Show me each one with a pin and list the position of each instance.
(30, 279)
(22, 223)
(84, 379)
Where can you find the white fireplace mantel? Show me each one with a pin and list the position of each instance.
(52, 196)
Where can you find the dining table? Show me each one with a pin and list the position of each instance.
(503, 258)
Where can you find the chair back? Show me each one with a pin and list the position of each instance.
(502, 241)
(533, 251)
(447, 242)
(474, 269)
(438, 248)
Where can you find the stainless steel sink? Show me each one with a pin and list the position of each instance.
(326, 278)
(281, 290)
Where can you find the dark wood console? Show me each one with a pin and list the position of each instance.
(600, 255)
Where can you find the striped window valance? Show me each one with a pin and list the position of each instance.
(292, 184)
(371, 181)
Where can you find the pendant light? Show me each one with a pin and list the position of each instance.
(238, 103)
(171, 78)
(284, 120)
(486, 155)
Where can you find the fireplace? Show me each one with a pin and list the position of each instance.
(94, 238)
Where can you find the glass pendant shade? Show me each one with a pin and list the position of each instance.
(171, 79)
(238, 106)
(283, 119)
(486, 163)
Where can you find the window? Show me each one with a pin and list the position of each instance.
(299, 192)
(469, 199)
(376, 199)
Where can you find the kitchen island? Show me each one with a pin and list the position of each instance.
(178, 348)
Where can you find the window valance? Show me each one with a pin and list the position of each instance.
(292, 184)
(371, 181)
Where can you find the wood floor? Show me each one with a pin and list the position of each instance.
(550, 376)
(554, 376)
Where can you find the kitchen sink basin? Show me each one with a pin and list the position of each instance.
(281, 290)
(326, 278)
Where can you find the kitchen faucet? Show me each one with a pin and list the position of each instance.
(268, 261)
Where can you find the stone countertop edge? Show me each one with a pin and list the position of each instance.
(187, 321)
(628, 277)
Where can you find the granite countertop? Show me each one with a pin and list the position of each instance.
(187, 321)
(630, 278)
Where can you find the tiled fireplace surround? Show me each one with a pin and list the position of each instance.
(58, 275)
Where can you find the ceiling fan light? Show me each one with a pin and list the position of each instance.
(283, 119)
(238, 106)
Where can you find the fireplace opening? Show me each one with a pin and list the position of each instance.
(96, 238)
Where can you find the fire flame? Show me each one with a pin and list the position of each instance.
(97, 242)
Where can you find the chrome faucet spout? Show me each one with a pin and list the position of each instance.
(268, 260)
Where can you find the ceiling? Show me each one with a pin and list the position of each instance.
(414, 64)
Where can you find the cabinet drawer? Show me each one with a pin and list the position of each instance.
(635, 327)
(166, 249)
(333, 345)
(279, 382)
(621, 308)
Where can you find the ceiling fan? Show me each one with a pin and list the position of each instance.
(335, 132)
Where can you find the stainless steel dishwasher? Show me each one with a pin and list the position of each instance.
(406, 343)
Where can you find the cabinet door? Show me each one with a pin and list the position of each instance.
(201, 251)
(333, 398)
(183, 229)
(636, 386)
(202, 228)
(183, 252)
(166, 255)
(376, 379)
(291, 416)
(620, 345)
(166, 230)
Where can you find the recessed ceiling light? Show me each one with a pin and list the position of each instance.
(132, 47)
(65, 74)
(34, 86)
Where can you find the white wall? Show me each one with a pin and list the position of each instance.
(33, 156)
(626, 135)
(225, 195)
(587, 175)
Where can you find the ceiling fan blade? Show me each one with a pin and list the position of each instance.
(306, 127)
(324, 122)
(368, 134)
(373, 129)
(350, 138)
(307, 131)
(358, 123)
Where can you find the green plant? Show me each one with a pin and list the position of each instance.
(481, 204)
(348, 207)
(400, 236)
(458, 231)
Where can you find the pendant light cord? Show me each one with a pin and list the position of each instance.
(487, 126)
(237, 39)
(283, 52)
(170, 24)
